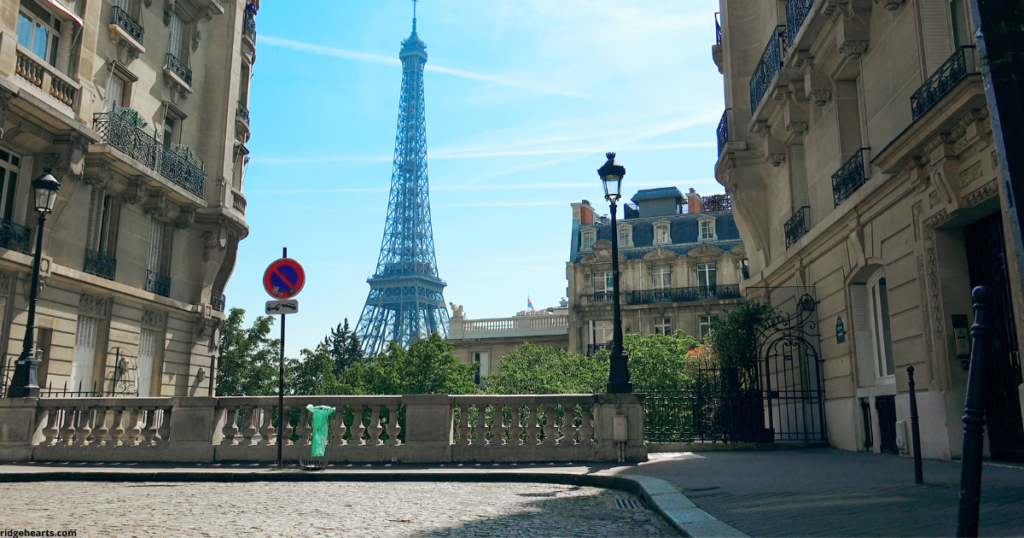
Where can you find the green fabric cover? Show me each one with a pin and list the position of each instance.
(318, 422)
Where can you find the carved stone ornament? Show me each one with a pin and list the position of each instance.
(971, 175)
(890, 5)
(5, 282)
(774, 151)
(981, 194)
(186, 218)
(853, 49)
(99, 176)
(216, 240)
(821, 97)
(153, 319)
(135, 192)
(5, 107)
(156, 204)
(938, 219)
(797, 127)
(92, 306)
(458, 311)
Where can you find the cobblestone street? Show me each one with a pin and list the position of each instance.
(326, 509)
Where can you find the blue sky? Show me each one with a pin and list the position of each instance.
(523, 97)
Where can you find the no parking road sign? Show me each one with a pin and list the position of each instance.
(284, 279)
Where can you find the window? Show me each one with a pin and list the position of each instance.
(589, 238)
(169, 125)
(156, 244)
(604, 282)
(483, 359)
(103, 216)
(625, 235)
(38, 31)
(662, 235)
(9, 165)
(880, 334)
(706, 324)
(959, 14)
(115, 93)
(662, 325)
(662, 278)
(84, 359)
(177, 28)
(707, 275)
(707, 230)
(144, 374)
(602, 333)
(745, 268)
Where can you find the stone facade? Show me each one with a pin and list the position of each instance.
(680, 267)
(857, 147)
(139, 109)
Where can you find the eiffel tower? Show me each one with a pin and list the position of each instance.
(406, 302)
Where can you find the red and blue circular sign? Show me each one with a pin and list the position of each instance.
(284, 279)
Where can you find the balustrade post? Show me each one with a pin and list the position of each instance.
(464, 428)
(102, 429)
(481, 425)
(533, 426)
(516, 430)
(339, 432)
(135, 419)
(117, 427)
(550, 430)
(586, 429)
(498, 426)
(251, 428)
(358, 428)
(393, 427)
(164, 426)
(67, 430)
(230, 429)
(268, 434)
(85, 427)
(51, 432)
(375, 427)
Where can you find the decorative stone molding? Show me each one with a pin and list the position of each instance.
(933, 199)
(853, 49)
(5, 282)
(932, 270)
(890, 5)
(915, 211)
(971, 175)
(981, 194)
(156, 203)
(799, 127)
(99, 176)
(92, 306)
(820, 97)
(5, 107)
(937, 219)
(153, 319)
(135, 192)
(774, 151)
(922, 283)
(217, 240)
(186, 218)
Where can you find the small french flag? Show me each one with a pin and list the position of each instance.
(529, 305)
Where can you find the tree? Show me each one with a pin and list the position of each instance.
(428, 367)
(657, 362)
(248, 361)
(735, 340)
(343, 346)
(532, 369)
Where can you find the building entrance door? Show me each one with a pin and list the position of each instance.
(986, 261)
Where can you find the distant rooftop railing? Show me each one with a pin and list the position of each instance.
(539, 325)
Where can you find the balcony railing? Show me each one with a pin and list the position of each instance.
(951, 72)
(158, 283)
(125, 22)
(796, 226)
(217, 300)
(178, 68)
(249, 26)
(718, 28)
(849, 178)
(540, 324)
(723, 130)
(242, 112)
(14, 236)
(181, 166)
(768, 66)
(603, 298)
(594, 348)
(118, 130)
(796, 14)
(29, 67)
(100, 264)
(684, 295)
(717, 202)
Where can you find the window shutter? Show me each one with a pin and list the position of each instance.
(156, 239)
(174, 46)
(144, 374)
(82, 364)
(862, 329)
(938, 41)
(798, 176)
(95, 218)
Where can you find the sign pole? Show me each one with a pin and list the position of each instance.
(280, 391)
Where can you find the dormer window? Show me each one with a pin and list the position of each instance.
(662, 233)
(707, 229)
(625, 235)
(589, 237)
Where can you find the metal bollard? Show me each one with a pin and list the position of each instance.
(915, 428)
(974, 417)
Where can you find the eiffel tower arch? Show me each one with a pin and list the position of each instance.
(406, 300)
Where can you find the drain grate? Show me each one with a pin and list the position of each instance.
(628, 504)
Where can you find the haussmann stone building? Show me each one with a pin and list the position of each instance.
(857, 146)
(139, 109)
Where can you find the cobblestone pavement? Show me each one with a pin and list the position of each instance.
(269, 509)
(830, 492)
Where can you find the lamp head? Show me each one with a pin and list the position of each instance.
(45, 187)
(611, 177)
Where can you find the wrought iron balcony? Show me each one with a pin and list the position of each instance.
(242, 112)
(158, 283)
(717, 202)
(124, 133)
(176, 66)
(685, 295)
(849, 178)
(796, 14)
(100, 264)
(949, 74)
(126, 23)
(14, 236)
(249, 26)
(594, 348)
(180, 165)
(718, 28)
(767, 67)
(796, 226)
(217, 300)
(723, 130)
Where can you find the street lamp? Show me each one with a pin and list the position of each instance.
(618, 373)
(24, 383)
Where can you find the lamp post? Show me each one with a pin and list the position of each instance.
(618, 373)
(24, 383)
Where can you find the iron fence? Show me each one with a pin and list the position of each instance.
(14, 236)
(945, 78)
(242, 112)
(849, 177)
(249, 25)
(100, 264)
(796, 14)
(180, 166)
(177, 67)
(120, 132)
(157, 283)
(717, 202)
(688, 294)
(217, 300)
(723, 130)
(796, 226)
(126, 23)
(767, 67)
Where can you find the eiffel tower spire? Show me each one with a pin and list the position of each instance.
(406, 302)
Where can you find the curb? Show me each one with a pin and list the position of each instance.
(657, 494)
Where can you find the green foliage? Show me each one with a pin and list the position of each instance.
(248, 361)
(428, 367)
(734, 342)
(532, 369)
(657, 362)
(343, 345)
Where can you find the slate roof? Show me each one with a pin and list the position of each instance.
(683, 229)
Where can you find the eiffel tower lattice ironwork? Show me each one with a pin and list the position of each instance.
(406, 302)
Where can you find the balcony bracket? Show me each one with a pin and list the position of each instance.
(817, 85)
(852, 28)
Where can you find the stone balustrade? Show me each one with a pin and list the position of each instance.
(530, 325)
(410, 428)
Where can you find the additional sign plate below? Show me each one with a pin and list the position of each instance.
(291, 306)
